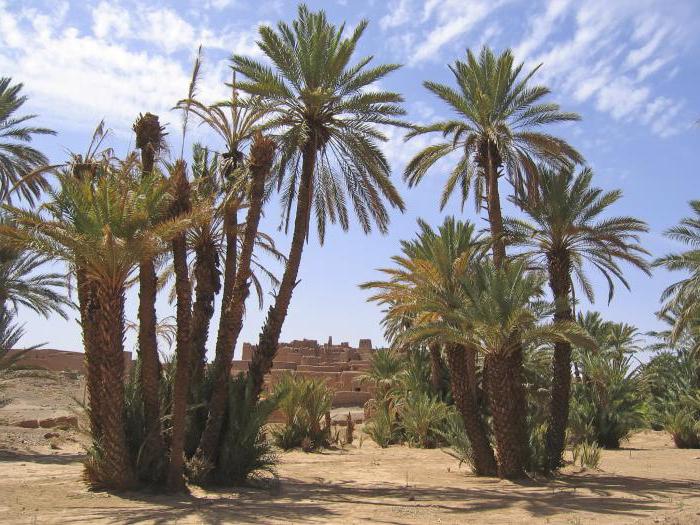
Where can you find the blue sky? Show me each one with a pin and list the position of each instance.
(630, 68)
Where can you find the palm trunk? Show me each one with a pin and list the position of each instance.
(149, 372)
(508, 409)
(89, 310)
(148, 139)
(110, 336)
(261, 156)
(467, 404)
(435, 368)
(560, 284)
(510, 425)
(261, 361)
(207, 286)
(183, 291)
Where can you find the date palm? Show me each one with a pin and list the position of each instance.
(20, 164)
(498, 317)
(328, 130)
(425, 287)
(495, 133)
(567, 234)
(681, 298)
(100, 226)
(498, 113)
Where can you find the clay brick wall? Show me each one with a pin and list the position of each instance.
(59, 360)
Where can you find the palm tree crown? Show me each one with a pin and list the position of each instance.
(567, 229)
(324, 108)
(18, 161)
(497, 113)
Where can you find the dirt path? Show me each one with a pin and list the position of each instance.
(647, 482)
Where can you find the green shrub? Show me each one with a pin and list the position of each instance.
(607, 405)
(454, 435)
(382, 427)
(304, 403)
(587, 455)
(421, 416)
(245, 452)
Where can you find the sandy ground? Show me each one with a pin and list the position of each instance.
(648, 481)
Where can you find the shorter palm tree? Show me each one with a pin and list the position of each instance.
(20, 164)
(681, 297)
(566, 234)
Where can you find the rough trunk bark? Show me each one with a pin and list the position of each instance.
(261, 157)
(110, 337)
(560, 283)
(89, 310)
(263, 355)
(491, 163)
(508, 409)
(149, 377)
(207, 286)
(435, 368)
(466, 402)
(176, 481)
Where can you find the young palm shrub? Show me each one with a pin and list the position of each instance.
(566, 234)
(245, 453)
(386, 367)
(607, 406)
(328, 124)
(422, 416)
(304, 403)
(383, 426)
(454, 435)
(21, 166)
(10, 335)
(100, 226)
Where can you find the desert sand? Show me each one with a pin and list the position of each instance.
(647, 481)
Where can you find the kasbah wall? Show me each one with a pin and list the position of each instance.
(338, 365)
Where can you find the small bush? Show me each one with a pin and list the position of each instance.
(421, 417)
(684, 427)
(382, 428)
(587, 455)
(304, 403)
(453, 433)
(245, 452)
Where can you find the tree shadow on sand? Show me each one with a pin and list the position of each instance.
(320, 501)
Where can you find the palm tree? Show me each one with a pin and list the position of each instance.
(498, 318)
(261, 156)
(150, 140)
(327, 122)
(180, 207)
(498, 113)
(20, 164)
(234, 122)
(495, 133)
(98, 227)
(681, 298)
(426, 288)
(567, 233)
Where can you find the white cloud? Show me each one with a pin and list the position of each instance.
(399, 13)
(77, 79)
(110, 20)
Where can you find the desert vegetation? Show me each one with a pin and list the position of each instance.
(492, 355)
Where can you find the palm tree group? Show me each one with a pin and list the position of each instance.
(309, 122)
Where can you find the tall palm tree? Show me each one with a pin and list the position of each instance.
(327, 122)
(425, 287)
(498, 319)
(180, 207)
(98, 226)
(681, 298)
(494, 132)
(261, 156)
(567, 234)
(234, 122)
(20, 164)
(150, 140)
